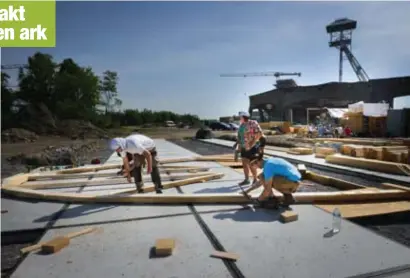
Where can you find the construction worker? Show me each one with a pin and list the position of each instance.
(142, 148)
(249, 133)
(279, 174)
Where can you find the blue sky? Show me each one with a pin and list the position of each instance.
(169, 54)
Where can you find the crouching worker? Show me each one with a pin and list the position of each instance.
(142, 149)
(279, 174)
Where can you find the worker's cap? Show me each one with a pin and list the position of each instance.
(244, 114)
(117, 143)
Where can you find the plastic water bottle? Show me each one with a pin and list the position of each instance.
(337, 221)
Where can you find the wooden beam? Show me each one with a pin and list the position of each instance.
(15, 180)
(395, 186)
(38, 246)
(367, 209)
(89, 169)
(54, 176)
(301, 197)
(370, 164)
(330, 181)
(102, 182)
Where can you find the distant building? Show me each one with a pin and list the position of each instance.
(294, 103)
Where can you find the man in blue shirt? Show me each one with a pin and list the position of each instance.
(279, 174)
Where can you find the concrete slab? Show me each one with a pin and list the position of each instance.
(123, 250)
(266, 246)
(98, 213)
(312, 161)
(23, 215)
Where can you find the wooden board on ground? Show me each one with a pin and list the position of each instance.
(288, 216)
(367, 209)
(164, 246)
(233, 164)
(55, 245)
(225, 255)
(38, 246)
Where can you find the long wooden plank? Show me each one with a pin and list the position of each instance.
(386, 185)
(370, 164)
(330, 181)
(301, 197)
(162, 162)
(54, 176)
(15, 180)
(367, 209)
(38, 246)
(99, 182)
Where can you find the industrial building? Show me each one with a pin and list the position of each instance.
(298, 103)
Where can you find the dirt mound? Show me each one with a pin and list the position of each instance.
(15, 135)
(73, 155)
(204, 133)
(78, 129)
(37, 118)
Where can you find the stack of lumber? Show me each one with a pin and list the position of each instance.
(370, 164)
(300, 151)
(322, 152)
(398, 154)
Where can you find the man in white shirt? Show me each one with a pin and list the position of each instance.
(143, 149)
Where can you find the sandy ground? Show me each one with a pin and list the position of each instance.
(12, 149)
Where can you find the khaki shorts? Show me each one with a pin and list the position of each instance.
(283, 185)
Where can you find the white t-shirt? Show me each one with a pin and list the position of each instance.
(138, 143)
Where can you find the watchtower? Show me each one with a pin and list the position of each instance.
(341, 33)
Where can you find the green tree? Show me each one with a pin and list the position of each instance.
(76, 91)
(37, 82)
(7, 101)
(109, 91)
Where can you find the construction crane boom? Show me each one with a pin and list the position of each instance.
(358, 69)
(269, 73)
(15, 66)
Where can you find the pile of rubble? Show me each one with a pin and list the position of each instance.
(73, 155)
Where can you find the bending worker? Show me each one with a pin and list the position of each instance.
(279, 174)
(249, 134)
(142, 148)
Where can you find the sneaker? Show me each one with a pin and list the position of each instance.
(158, 191)
(244, 182)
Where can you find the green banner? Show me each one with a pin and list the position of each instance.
(27, 23)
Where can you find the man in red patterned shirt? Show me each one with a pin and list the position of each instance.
(249, 134)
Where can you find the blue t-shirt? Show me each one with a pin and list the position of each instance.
(275, 166)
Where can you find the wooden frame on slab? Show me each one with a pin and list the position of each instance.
(52, 184)
(57, 176)
(22, 186)
(226, 198)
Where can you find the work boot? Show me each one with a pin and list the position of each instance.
(270, 203)
(140, 187)
(244, 182)
(288, 200)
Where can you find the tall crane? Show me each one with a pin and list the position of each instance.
(15, 66)
(280, 83)
(268, 73)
